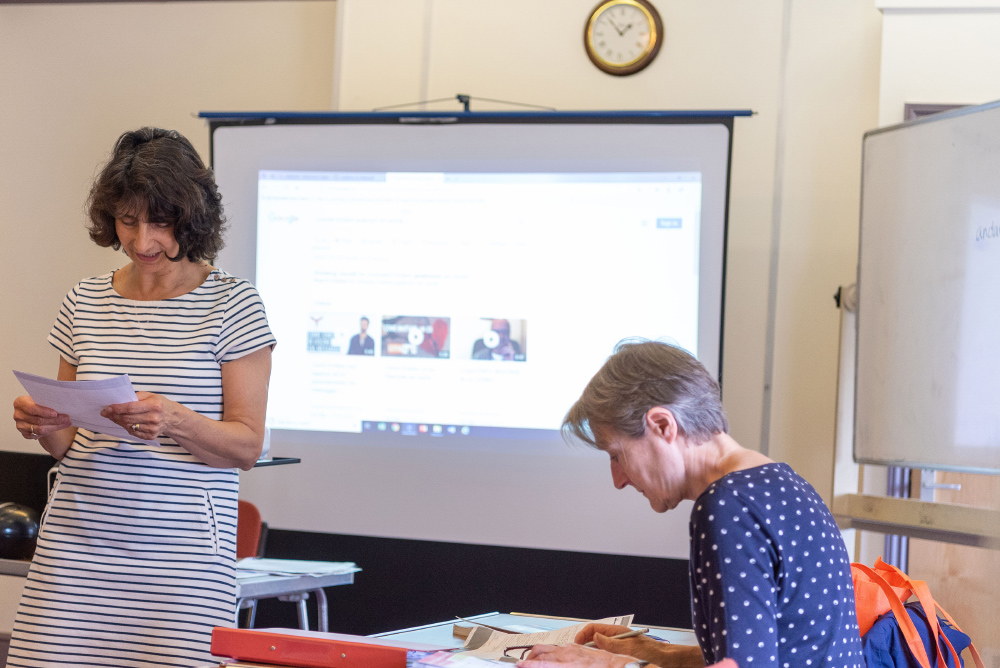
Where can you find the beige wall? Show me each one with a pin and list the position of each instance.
(812, 107)
(73, 77)
(831, 100)
(941, 55)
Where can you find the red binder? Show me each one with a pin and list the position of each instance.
(308, 649)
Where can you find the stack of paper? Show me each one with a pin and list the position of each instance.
(487, 643)
(455, 660)
(253, 565)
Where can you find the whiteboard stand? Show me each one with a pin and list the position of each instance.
(929, 484)
(860, 503)
(847, 475)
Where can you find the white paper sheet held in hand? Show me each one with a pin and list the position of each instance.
(83, 400)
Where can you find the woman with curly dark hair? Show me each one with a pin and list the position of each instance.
(136, 554)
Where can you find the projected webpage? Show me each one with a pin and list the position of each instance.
(450, 304)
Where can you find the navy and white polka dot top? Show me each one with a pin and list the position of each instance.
(770, 575)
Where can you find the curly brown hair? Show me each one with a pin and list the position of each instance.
(159, 173)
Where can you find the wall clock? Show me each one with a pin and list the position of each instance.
(623, 36)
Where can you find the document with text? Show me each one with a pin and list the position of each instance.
(489, 644)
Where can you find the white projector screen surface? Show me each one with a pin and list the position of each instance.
(464, 332)
(492, 267)
(928, 372)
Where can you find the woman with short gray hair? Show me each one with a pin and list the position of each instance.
(642, 374)
(769, 571)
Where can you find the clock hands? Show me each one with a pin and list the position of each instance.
(621, 31)
(615, 26)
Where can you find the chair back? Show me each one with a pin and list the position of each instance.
(248, 530)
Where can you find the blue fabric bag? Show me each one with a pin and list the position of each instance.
(885, 647)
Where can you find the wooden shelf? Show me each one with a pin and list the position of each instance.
(948, 522)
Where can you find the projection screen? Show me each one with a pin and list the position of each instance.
(443, 287)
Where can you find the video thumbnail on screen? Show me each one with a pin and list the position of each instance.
(501, 340)
(340, 334)
(416, 336)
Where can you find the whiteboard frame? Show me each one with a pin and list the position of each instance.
(943, 116)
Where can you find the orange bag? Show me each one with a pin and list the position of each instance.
(885, 588)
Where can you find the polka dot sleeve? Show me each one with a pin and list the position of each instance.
(734, 569)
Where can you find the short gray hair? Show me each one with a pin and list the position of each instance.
(642, 374)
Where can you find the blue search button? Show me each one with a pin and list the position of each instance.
(668, 223)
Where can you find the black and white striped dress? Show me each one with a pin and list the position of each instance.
(136, 554)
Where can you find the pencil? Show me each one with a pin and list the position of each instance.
(492, 628)
(621, 636)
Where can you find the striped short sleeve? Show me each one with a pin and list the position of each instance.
(61, 334)
(244, 327)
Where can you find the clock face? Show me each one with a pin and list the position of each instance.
(623, 36)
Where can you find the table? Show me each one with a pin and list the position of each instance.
(277, 461)
(17, 567)
(12, 573)
(440, 633)
(250, 588)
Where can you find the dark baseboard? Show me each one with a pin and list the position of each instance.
(407, 583)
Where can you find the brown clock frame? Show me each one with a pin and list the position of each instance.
(632, 68)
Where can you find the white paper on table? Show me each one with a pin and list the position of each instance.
(83, 400)
(446, 659)
(294, 567)
(497, 641)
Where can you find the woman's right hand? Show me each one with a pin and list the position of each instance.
(644, 648)
(35, 421)
(590, 630)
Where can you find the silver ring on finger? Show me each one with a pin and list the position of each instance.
(135, 427)
(33, 434)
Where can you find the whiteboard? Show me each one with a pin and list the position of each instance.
(928, 346)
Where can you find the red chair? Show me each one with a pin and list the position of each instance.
(250, 531)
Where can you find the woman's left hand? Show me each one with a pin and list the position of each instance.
(543, 656)
(146, 418)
